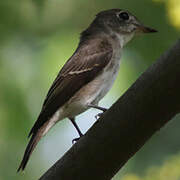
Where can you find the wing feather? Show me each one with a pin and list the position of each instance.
(80, 69)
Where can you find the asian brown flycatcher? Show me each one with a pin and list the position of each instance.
(88, 74)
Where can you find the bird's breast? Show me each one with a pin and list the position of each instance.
(95, 90)
(108, 76)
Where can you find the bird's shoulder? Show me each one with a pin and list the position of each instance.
(87, 53)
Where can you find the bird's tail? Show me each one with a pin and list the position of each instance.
(32, 144)
(29, 149)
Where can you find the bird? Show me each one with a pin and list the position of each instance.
(88, 74)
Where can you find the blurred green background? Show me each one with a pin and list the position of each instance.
(36, 38)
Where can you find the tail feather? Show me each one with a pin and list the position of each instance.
(29, 149)
(36, 135)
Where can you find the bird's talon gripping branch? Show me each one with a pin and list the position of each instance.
(97, 116)
(75, 140)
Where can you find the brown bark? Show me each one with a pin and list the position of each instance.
(152, 101)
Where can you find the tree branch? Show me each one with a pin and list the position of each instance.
(152, 101)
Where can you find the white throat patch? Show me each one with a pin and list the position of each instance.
(124, 38)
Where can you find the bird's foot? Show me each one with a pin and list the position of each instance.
(75, 140)
(97, 116)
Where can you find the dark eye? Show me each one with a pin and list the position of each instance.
(124, 15)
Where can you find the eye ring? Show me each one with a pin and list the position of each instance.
(124, 16)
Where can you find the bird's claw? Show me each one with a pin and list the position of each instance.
(75, 140)
(97, 116)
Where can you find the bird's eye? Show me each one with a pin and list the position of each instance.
(124, 15)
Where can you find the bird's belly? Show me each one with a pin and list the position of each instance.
(93, 92)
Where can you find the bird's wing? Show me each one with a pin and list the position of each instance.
(80, 69)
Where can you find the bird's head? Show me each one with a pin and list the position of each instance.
(121, 21)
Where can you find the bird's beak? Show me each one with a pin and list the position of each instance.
(144, 29)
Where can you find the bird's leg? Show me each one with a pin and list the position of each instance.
(77, 128)
(98, 107)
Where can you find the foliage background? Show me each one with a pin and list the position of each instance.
(36, 38)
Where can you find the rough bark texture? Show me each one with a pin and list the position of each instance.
(147, 105)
